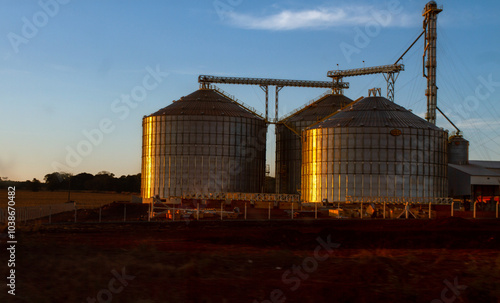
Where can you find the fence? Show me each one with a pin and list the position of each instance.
(79, 212)
(401, 200)
(27, 213)
(116, 212)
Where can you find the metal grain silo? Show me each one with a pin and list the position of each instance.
(288, 142)
(204, 143)
(458, 150)
(374, 148)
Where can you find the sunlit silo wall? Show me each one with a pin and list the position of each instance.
(288, 143)
(374, 148)
(204, 143)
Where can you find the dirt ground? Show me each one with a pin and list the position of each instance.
(259, 261)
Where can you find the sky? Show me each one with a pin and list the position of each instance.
(77, 77)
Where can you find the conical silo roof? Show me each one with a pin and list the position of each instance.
(375, 112)
(319, 109)
(206, 102)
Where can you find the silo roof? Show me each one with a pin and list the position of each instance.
(321, 108)
(376, 112)
(206, 102)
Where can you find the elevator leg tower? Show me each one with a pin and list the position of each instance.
(430, 13)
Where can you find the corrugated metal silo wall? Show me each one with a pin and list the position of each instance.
(184, 155)
(458, 150)
(289, 157)
(288, 142)
(370, 162)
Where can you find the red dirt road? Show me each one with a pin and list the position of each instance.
(278, 261)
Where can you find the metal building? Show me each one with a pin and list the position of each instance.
(374, 148)
(289, 144)
(204, 143)
(476, 181)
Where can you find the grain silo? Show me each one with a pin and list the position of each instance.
(374, 148)
(288, 142)
(204, 143)
(458, 150)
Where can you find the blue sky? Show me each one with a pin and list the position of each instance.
(64, 64)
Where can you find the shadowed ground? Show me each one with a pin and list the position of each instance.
(377, 261)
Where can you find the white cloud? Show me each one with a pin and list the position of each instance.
(322, 18)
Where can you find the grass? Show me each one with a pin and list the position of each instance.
(90, 199)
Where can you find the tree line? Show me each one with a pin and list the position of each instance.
(102, 181)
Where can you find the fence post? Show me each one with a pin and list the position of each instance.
(361, 211)
(292, 211)
(245, 210)
(150, 211)
(221, 208)
(315, 210)
(384, 209)
(497, 209)
(269, 212)
(407, 208)
(198, 211)
(100, 213)
(475, 209)
(452, 206)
